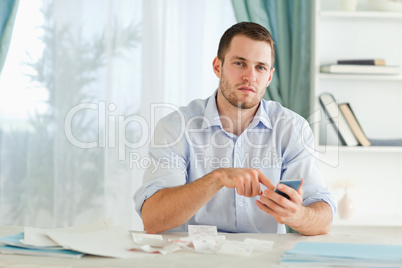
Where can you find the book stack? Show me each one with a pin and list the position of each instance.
(343, 254)
(347, 126)
(363, 66)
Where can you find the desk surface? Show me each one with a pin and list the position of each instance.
(188, 259)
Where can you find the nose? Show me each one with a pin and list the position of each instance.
(249, 75)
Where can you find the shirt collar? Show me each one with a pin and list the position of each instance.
(211, 115)
(261, 116)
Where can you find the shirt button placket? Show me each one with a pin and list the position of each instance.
(241, 211)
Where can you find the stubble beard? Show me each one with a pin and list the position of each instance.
(229, 93)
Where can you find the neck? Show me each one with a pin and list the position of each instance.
(233, 119)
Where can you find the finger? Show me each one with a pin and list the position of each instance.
(255, 186)
(265, 181)
(285, 189)
(252, 190)
(273, 208)
(292, 193)
(276, 199)
(247, 189)
(240, 189)
(248, 182)
(277, 206)
(279, 218)
(265, 208)
(283, 207)
(256, 189)
(300, 190)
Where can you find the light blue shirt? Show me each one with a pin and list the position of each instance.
(191, 143)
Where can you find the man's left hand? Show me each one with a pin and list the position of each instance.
(285, 211)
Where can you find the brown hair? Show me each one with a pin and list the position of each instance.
(252, 30)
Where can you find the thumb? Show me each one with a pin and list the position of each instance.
(300, 190)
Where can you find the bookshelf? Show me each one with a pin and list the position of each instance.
(376, 101)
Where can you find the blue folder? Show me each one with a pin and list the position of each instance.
(343, 253)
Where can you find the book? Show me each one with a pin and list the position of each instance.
(354, 125)
(386, 142)
(357, 130)
(359, 69)
(331, 109)
(379, 62)
(346, 125)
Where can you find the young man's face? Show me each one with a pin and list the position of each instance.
(245, 73)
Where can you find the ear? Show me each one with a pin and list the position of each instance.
(217, 67)
(271, 74)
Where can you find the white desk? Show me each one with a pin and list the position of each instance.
(188, 259)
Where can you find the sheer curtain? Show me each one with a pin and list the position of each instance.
(76, 94)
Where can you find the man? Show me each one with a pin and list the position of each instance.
(217, 161)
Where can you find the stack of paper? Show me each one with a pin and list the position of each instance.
(14, 245)
(40, 252)
(343, 254)
(100, 238)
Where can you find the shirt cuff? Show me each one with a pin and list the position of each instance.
(143, 195)
(319, 197)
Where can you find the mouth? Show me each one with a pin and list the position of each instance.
(246, 89)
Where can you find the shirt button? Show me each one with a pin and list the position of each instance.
(241, 204)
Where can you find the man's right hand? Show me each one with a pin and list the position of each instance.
(246, 181)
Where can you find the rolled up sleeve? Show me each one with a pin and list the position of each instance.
(167, 165)
(300, 162)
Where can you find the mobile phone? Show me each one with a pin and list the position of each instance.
(295, 184)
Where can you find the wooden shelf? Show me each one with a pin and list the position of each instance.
(361, 14)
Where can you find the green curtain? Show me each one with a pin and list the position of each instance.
(289, 22)
(8, 11)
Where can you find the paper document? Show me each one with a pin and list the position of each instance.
(37, 237)
(150, 239)
(111, 242)
(202, 230)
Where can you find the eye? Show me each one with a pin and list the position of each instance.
(238, 63)
(261, 68)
